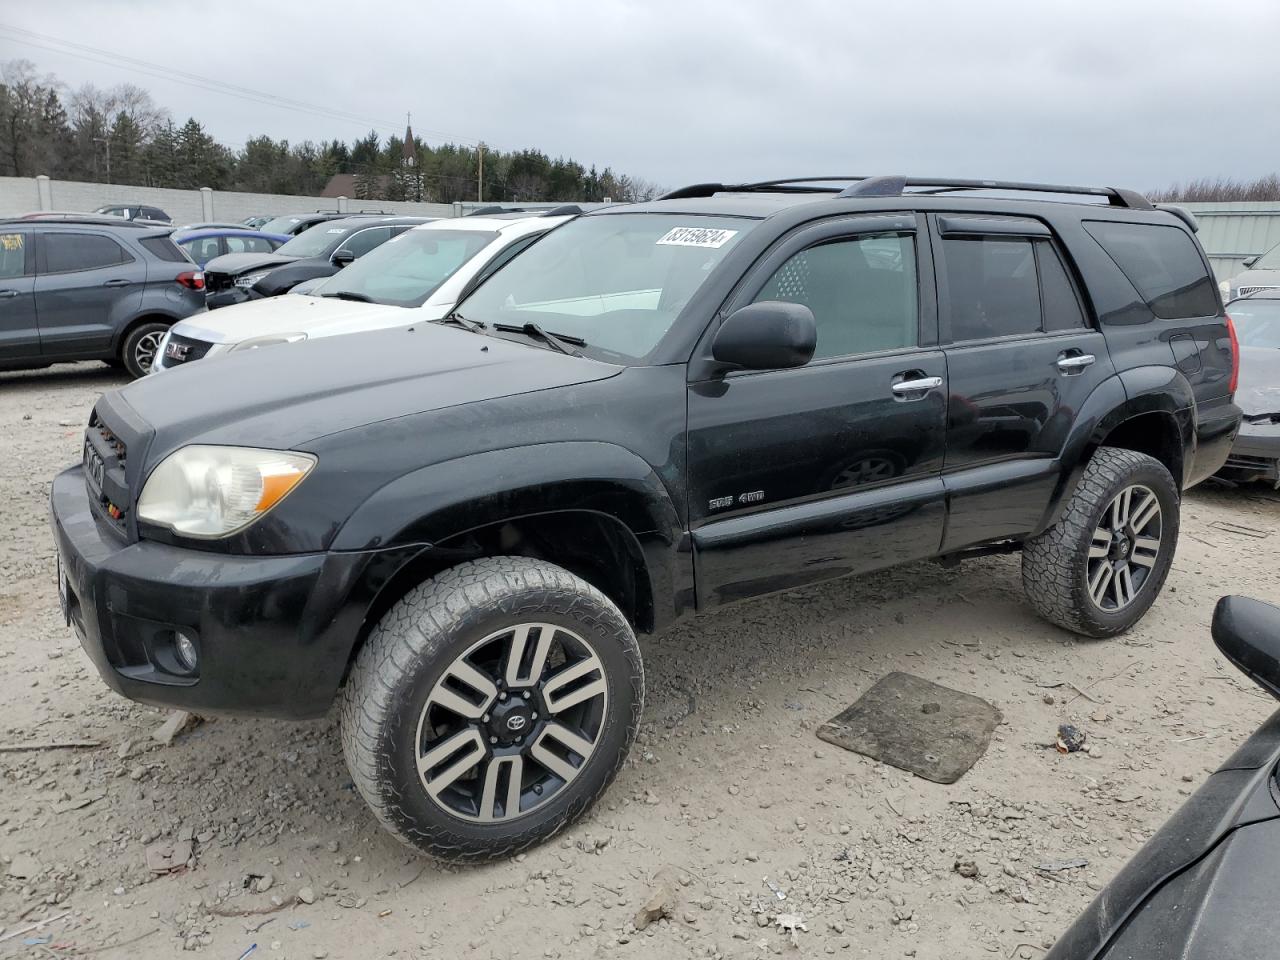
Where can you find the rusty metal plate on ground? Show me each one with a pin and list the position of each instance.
(932, 731)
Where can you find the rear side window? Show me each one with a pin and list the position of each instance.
(1061, 305)
(248, 245)
(163, 248)
(67, 252)
(1164, 266)
(993, 290)
(13, 255)
(364, 241)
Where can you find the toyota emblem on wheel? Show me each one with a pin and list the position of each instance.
(516, 723)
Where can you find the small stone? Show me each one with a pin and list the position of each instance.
(265, 882)
(967, 869)
(753, 857)
(306, 895)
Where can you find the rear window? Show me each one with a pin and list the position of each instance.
(1164, 266)
(163, 248)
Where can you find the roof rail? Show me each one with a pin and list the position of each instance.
(94, 219)
(568, 210)
(894, 186)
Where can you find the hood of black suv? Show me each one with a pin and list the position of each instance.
(285, 395)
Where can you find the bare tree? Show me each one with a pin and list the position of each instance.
(1220, 189)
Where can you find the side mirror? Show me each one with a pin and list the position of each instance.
(1249, 262)
(342, 258)
(769, 335)
(1248, 634)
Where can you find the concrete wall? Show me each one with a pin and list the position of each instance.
(20, 195)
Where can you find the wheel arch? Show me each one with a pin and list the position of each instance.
(147, 316)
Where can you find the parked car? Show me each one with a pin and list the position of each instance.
(319, 252)
(426, 269)
(205, 243)
(457, 528)
(296, 223)
(134, 211)
(212, 225)
(1203, 888)
(1260, 273)
(1256, 452)
(91, 290)
(255, 223)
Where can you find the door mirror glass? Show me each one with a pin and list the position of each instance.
(1249, 262)
(768, 335)
(1248, 634)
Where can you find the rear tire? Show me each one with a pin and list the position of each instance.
(1097, 570)
(138, 351)
(490, 707)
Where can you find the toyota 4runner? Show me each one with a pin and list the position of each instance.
(457, 529)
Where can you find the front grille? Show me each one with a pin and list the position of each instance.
(105, 457)
(179, 350)
(214, 282)
(1245, 291)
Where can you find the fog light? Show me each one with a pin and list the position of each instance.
(185, 648)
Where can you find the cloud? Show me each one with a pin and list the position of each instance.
(1132, 93)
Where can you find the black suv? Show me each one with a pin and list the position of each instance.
(292, 224)
(135, 211)
(90, 288)
(458, 528)
(314, 254)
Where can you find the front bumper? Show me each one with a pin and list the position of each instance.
(274, 634)
(1255, 455)
(230, 297)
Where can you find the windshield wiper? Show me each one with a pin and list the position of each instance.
(475, 326)
(348, 295)
(560, 341)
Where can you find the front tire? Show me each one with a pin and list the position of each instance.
(1097, 570)
(138, 352)
(490, 707)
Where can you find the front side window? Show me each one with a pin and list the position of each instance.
(618, 281)
(862, 292)
(1164, 266)
(407, 269)
(281, 225)
(366, 240)
(248, 245)
(67, 252)
(13, 255)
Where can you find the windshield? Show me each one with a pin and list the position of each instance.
(280, 225)
(1257, 322)
(406, 270)
(616, 281)
(314, 242)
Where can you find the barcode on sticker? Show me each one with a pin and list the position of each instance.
(697, 237)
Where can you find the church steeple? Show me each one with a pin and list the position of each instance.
(409, 151)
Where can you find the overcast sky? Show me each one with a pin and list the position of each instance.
(1128, 93)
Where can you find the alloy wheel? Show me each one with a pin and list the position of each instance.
(1124, 548)
(511, 722)
(144, 352)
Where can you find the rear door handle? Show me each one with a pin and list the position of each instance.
(8, 294)
(904, 389)
(118, 282)
(1071, 364)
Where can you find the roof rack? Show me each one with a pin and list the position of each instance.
(94, 219)
(567, 210)
(896, 186)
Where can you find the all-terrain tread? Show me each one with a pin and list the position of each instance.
(1051, 562)
(409, 635)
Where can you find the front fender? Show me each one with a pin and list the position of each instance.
(445, 500)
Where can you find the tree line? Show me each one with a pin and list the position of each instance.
(119, 135)
(1220, 189)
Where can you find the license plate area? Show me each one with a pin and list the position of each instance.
(95, 469)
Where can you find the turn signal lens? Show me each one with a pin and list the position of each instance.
(1235, 355)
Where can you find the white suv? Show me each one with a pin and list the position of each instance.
(427, 269)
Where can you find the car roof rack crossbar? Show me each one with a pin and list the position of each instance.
(893, 186)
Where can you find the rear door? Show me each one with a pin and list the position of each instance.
(831, 468)
(1022, 356)
(87, 287)
(19, 332)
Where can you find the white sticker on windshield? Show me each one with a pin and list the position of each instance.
(336, 230)
(697, 237)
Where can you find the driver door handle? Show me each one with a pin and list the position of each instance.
(118, 282)
(920, 385)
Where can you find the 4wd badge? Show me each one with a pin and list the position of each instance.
(720, 503)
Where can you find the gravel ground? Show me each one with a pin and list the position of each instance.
(728, 798)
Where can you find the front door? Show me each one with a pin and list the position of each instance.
(834, 467)
(86, 285)
(19, 333)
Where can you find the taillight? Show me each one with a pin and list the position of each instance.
(191, 279)
(1235, 355)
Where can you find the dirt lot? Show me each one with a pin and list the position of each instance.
(728, 785)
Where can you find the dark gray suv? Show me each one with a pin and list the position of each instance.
(89, 289)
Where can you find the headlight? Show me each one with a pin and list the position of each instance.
(249, 279)
(210, 492)
(265, 341)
